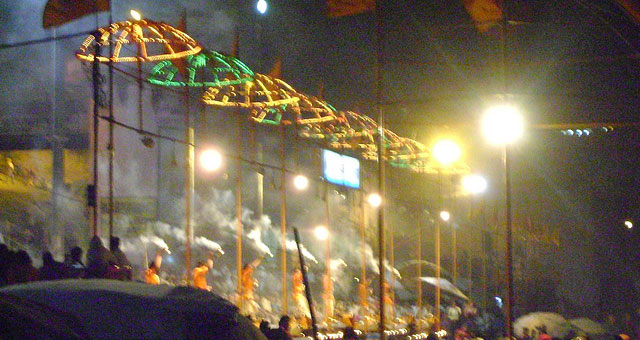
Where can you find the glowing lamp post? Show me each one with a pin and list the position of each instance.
(503, 125)
(301, 182)
(446, 152)
(628, 224)
(445, 215)
(474, 184)
(211, 160)
(374, 200)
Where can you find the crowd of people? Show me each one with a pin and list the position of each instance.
(16, 266)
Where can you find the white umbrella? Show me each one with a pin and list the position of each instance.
(557, 326)
(587, 326)
(445, 286)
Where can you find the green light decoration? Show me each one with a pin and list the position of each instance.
(207, 69)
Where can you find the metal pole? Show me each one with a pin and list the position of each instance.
(110, 147)
(363, 227)
(239, 213)
(381, 179)
(307, 290)
(96, 108)
(419, 270)
(455, 252)
(283, 219)
(437, 251)
(508, 256)
(189, 186)
(327, 254)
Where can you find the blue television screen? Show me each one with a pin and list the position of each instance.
(340, 169)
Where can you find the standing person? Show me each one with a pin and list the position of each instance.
(121, 259)
(302, 313)
(51, 269)
(283, 332)
(200, 274)
(327, 296)
(151, 274)
(75, 267)
(99, 260)
(453, 316)
(248, 286)
(21, 269)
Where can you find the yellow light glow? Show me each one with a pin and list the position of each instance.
(321, 232)
(628, 224)
(374, 200)
(446, 151)
(301, 182)
(211, 160)
(135, 14)
(474, 184)
(502, 124)
(445, 216)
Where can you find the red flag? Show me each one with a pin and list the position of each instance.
(485, 13)
(276, 70)
(340, 8)
(180, 63)
(59, 12)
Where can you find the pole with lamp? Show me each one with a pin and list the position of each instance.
(472, 184)
(502, 125)
(446, 152)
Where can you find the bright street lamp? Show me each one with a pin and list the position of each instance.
(474, 184)
(446, 151)
(301, 182)
(374, 200)
(628, 224)
(321, 232)
(445, 215)
(503, 125)
(211, 159)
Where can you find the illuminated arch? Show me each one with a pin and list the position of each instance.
(152, 41)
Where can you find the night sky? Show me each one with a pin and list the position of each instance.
(566, 62)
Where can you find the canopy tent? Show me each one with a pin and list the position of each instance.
(111, 309)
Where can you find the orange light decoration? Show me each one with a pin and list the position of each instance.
(154, 41)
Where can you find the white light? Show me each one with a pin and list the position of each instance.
(321, 232)
(474, 184)
(301, 182)
(135, 14)
(579, 133)
(628, 224)
(211, 160)
(374, 200)
(262, 6)
(445, 216)
(446, 151)
(502, 125)
(587, 131)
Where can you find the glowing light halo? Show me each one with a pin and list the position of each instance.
(144, 34)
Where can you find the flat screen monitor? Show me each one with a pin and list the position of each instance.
(340, 169)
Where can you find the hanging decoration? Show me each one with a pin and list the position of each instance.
(152, 41)
(228, 83)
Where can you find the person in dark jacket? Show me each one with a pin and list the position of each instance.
(51, 269)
